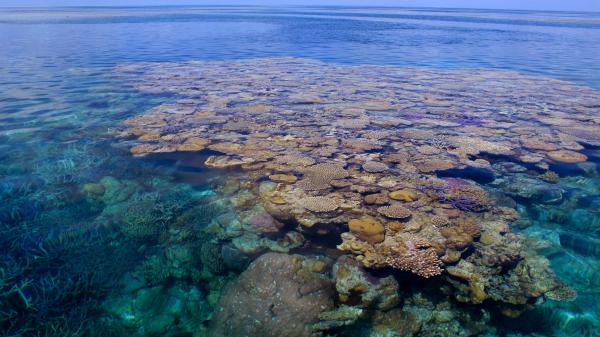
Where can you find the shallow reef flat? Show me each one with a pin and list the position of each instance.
(385, 173)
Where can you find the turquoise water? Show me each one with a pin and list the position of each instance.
(96, 241)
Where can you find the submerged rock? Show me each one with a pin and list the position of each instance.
(233, 258)
(278, 295)
(356, 286)
(160, 311)
(580, 244)
(340, 317)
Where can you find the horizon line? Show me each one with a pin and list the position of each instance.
(301, 6)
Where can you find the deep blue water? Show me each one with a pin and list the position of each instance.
(58, 102)
(563, 45)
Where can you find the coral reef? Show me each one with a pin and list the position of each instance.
(401, 175)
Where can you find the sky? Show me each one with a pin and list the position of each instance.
(565, 5)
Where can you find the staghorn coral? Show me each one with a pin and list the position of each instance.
(462, 195)
(562, 293)
(141, 220)
(550, 176)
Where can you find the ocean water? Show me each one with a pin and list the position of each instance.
(118, 219)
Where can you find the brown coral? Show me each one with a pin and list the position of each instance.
(295, 160)
(422, 262)
(395, 211)
(283, 178)
(404, 195)
(223, 161)
(143, 148)
(193, 144)
(319, 176)
(374, 167)
(320, 204)
(439, 221)
(567, 156)
(367, 229)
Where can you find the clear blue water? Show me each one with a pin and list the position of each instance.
(59, 100)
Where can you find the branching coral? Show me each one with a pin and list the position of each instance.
(417, 257)
(146, 215)
(46, 288)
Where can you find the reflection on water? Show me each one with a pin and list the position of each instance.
(340, 200)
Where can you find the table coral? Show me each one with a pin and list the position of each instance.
(320, 204)
(395, 211)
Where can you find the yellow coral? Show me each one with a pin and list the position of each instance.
(367, 229)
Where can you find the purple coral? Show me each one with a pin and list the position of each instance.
(463, 203)
(459, 193)
(265, 223)
(169, 129)
(469, 119)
